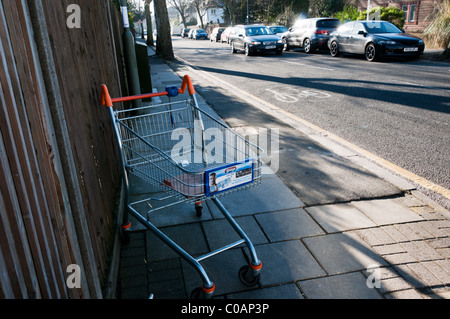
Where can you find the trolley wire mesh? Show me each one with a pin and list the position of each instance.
(171, 145)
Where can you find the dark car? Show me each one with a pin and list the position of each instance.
(199, 34)
(215, 34)
(310, 34)
(185, 32)
(255, 38)
(374, 39)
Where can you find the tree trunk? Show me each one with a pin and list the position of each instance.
(148, 18)
(163, 41)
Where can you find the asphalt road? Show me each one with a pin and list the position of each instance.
(396, 109)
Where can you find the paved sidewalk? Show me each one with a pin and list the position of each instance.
(395, 248)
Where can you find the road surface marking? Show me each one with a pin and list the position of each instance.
(308, 65)
(291, 95)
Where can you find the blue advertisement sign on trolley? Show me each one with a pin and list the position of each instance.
(226, 177)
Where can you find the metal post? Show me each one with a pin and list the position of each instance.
(130, 55)
(247, 15)
(368, 8)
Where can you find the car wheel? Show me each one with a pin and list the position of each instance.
(247, 50)
(233, 50)
(334, 49)
(286, 45)
(307, 45)
(371, 53)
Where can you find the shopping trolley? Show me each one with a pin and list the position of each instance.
(190, 156)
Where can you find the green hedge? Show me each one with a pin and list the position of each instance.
(394, 15)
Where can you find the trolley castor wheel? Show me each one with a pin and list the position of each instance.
(125, 234)
(125, 237)
(246, 276)
(202, 292)
(196, 293)
(198, 209)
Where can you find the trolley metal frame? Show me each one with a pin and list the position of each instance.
(145, 150)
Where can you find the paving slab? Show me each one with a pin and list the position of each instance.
(345, 286)
(222, 269)
(181, 213)
(220, 232)
(288, 291)
(386, 211)
(342, 252)
(339, 217)
(189, 237)
(270, 195)
(285, 262)
(288, 224)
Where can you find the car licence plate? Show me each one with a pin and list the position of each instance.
(410, 49)
(271, 46)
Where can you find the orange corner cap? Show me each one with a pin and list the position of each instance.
(105, 98)
(187, 83)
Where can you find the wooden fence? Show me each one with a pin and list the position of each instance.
(59, 178)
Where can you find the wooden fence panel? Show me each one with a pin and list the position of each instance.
(41, 226)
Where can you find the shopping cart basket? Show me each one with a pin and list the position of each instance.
(185, 152)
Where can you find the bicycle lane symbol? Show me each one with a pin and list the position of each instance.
(291, 95)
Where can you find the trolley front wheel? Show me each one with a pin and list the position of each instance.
(202, 292)
(247, 277)
(198, 209)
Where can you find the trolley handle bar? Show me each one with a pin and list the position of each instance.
(105, 98)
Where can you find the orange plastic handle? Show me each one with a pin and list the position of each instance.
(105, 98)
(187, 83)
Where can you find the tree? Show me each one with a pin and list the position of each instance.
(393, 15)
(349, 13)
(201, 6)
(290, 11)
(164, 47)
(148, 18)
(325, 8)
(181, 6)
(278, 11)
(235, 11)
(438, 31)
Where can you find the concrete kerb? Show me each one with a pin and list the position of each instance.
(310, 252)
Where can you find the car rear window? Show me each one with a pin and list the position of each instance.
(257, 31)
(328, 23)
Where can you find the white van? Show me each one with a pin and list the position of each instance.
(175, 30)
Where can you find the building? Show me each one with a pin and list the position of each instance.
(418, 13)
(213, 15)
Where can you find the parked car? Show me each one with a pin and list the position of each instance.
(225, 34)
(310, 34)
(215, 34)
(185, 32)
(191, 32)
(255, 38)
(233, 34)
(374, 39)
(199, 34)
(278, 30)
